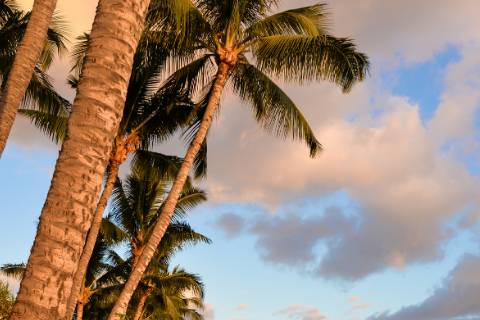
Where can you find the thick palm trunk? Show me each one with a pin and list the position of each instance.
(161, 225)
(91, 239)
(74, 192)
(80, 310)
(26, 57)
(141, 304)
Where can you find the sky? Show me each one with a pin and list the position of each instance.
(384, 225)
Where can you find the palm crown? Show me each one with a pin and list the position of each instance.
(293, 45)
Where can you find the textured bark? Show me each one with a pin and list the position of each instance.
(91, 239)
(26, 57)
(161, 225)
(141, 304)
(68, 211)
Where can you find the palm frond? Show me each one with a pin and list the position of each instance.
(54, 126)
(79, 52)
(275, 111)
(311, 20)
(57, 40)
(189, 199)
(157, 165)
(112, 233)
(13, 270)
(192, 77)
(180, 17)
(305, 58)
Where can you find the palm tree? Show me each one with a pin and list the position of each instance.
(150, 116)
(68, 211)
(135, 207)
(39, 92)
(238, 43)
(164, 294)
(28, 53)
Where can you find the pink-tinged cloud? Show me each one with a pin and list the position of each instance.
(301, 312)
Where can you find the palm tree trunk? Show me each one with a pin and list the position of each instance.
(91, 238)
(141, 304)
(161, 225)
(74, 192)
(79, 310)
(26, 57)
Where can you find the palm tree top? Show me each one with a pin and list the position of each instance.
(258, 44)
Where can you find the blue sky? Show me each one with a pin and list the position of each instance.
(384, 225)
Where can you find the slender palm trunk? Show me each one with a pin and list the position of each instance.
(26, 57)
(161, 225)
(74, 192)
(80, 306)
(141, 304)
(91, 239)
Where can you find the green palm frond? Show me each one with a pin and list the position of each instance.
(161, 116)
(122, 207)
(7, 7)
(41, 95)
(146, 78)
(79, 52)
(179, 280)
(273, 109)
(57, 40)
(179, 16)
(190, 198)
(193, 77)
(311, 20)
(158, 165)
(54, 126)
(305, 58)
(112, 233)
(13, 270)
(176, 238)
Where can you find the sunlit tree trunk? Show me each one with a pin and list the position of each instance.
(141, 304)
(121, 149)
(80, 306)
(91, 240)
(26, 57)
(68, 211)
(161, 225)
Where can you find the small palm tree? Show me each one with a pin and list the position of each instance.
(26, 41)
(238, 44)
(136, 204)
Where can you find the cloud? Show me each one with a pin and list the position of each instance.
(389, 165)
(301, 312)
(356, 303)
(231, 224)
(291, 239)
(455, 299)
(208, 312)
(411, 31)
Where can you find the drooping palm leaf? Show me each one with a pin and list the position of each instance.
(13, 270)
(272, 107)
(304, 58)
